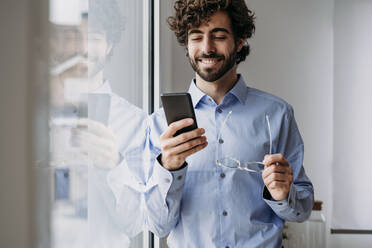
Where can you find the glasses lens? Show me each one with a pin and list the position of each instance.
(255, 166)
(228, 162)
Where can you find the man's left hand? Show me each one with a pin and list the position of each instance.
(277, 176)
(96, 142)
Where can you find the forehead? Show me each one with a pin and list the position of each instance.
(220, 19)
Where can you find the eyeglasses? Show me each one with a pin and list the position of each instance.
(233, 163)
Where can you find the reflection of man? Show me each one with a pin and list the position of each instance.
(205, 205)
(114, 126)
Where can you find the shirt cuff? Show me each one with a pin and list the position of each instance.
(282, 205)
(168, 181)
(158, 158)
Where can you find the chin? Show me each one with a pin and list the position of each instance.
(210, 78)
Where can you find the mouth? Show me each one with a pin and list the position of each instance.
(209, 62)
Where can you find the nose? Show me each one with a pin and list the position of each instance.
(208, 46)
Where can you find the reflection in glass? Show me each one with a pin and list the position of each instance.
(92, 125)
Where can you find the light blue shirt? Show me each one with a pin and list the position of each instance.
(114, 215)
(205, 205)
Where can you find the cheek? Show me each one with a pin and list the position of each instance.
(191, 53)
(191, 48)
(230, 50)
(98, 47)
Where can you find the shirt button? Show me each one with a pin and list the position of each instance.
(224, 213)
(179, 177)
(222, 175)
(219, 110)
(220, 141)
(167, 180)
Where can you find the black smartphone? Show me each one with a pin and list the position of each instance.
(178, 106)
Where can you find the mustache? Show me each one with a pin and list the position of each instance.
(210, 56)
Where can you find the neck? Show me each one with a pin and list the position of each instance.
(218, 89)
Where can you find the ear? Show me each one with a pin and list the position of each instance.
(240, 44)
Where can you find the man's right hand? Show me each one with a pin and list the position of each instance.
(176, 149)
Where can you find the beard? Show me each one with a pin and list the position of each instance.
(95, 65)
(210, 74)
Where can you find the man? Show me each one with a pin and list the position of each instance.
(200, 203)
(112, 138)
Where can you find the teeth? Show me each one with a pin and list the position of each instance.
(209, 61)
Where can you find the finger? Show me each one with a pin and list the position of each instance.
(95, 127)
(275, 158)
(278, 185)
(276, 169)
(182, 138)
(187, 153)
(277, 177)
(87, 140)
(175, 126)
(187, 145)
(102, 156)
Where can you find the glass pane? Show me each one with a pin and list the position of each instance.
(97, 93)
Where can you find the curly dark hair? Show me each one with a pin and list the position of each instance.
(105, 16)
(192, 13)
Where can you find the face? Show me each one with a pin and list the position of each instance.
(212, 48)
(98, 48)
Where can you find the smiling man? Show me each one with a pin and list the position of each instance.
(205, 203)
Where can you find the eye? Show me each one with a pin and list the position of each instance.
(195, 38)
(220, 37)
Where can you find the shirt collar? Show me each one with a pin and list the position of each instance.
(196, 94)
(240, 91)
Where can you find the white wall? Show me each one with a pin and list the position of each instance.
(292, 57)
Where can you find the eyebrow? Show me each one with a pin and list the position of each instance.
(215, 30)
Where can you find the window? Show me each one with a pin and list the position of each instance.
(100, 78)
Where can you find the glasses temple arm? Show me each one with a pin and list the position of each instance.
(271, 140)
